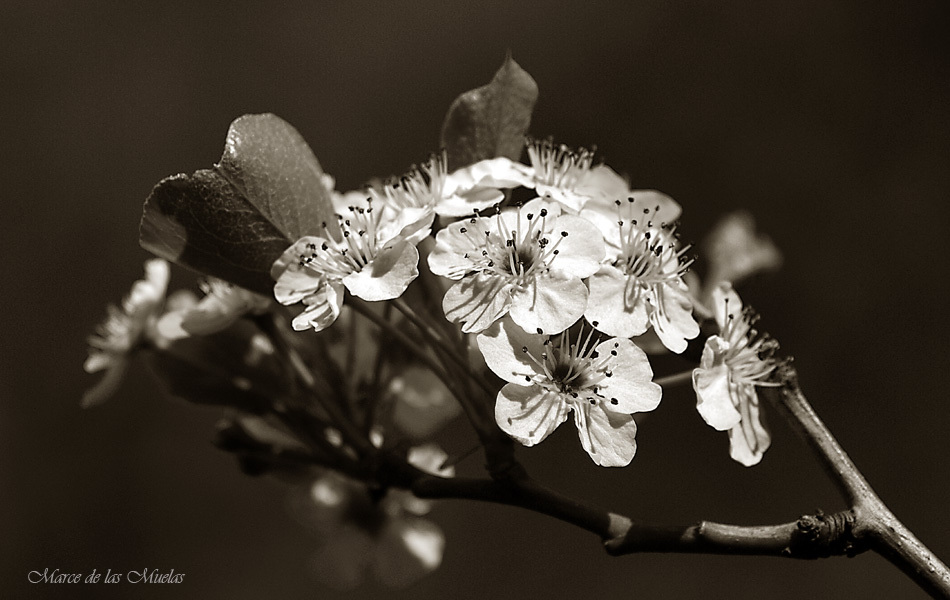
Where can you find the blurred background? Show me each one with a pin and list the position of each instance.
(830, 121)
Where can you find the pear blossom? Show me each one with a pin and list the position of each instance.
(569, 177)
(733, 364)
(641, 283)
(124, 329)
(374, 259)
(223, 304)
(456, 194)
(600, 382)
(527, 262)
(736, 251)
(389, 537)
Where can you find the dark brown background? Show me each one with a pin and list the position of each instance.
(830, 120)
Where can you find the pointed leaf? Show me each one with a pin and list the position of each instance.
(203, 223)
(272, 166)
(492, 120)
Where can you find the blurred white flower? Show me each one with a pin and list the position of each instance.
(123, 330)
(386, 536)
(223, 304)
(421, 402)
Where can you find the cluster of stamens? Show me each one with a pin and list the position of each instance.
(750, 355)
(420, 187)
(575, 369)
(557, 165)
(649, 255)
(648, 250)
(358, 247)
(525, 253)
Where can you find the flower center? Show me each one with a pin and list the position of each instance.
(575, 369)
(339, 258)
(648, 251)
(518, 254)
(750, 353)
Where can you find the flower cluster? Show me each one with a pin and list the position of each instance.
(519, 294)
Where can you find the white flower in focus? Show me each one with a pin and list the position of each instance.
(733, 364)
(641, 283)
(388, 537)
(376, 259)
(526, 262)
(123, 329)
(457, 194)
(567, 176)
(223, 304)
(602, 383)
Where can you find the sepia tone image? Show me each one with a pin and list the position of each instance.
(475, 300)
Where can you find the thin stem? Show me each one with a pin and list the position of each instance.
(436, 340)
(333, 410)
(675, 379)
(421, 353)
(441, 370)
(875, 523)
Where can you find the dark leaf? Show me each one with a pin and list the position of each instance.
(273, 167)
(234, 220)
(491, 120)
(201, 222)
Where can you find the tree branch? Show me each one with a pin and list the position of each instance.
(875, 525)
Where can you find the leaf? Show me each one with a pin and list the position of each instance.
(235, 220)
(272, 166)
(492, 120)
(201, 222)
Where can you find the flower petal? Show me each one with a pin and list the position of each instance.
(748, 440)
(713, 399)
(580, 247)
(477, 301)
(454, 244)
(672, 316)
(106, 387)
(529, 414)
(388, 275)
(609, 438)
(548, 303)
(735, 251)
(295, 281)
(630, 387)
(323, 308)
(607, 305)
(466, 204)
(666, 210)
(502, 345)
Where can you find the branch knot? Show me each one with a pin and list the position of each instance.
(821, 536)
